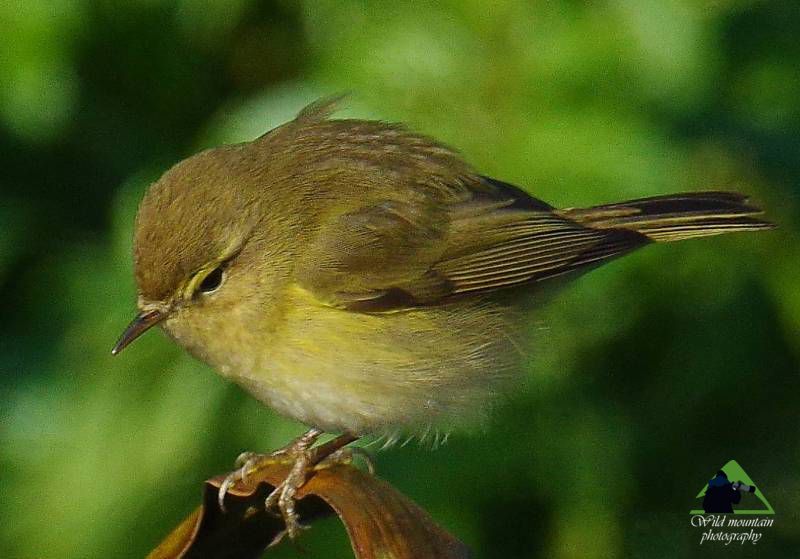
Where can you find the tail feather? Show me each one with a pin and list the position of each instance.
(675, 217)
(535, 242)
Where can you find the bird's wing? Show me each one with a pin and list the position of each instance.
(524, 243)
(395, 255)
(378, 256)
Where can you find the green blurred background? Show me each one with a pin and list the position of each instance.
(647, 375)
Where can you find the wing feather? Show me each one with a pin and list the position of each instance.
(377, 259)
(409, 224)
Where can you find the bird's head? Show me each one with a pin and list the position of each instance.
(192, 259)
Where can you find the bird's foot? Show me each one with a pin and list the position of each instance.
(308, 460)
(282, 499)
(303, 460)
(348, 455)
(248, 463)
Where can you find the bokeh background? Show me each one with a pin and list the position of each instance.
(647, 375)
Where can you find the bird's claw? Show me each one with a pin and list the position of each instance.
(303, 459)
(244, 464)
(347, 455)
(281, 502)
(229, 480)
(282, 499)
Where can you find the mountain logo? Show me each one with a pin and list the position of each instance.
(730, 487)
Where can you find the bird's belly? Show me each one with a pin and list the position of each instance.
(366, 373)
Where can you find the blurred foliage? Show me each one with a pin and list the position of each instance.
(647, 375)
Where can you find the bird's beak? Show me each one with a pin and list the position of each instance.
(138, 326)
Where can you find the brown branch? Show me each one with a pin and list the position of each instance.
(380, 521)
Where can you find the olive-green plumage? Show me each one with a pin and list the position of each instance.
(355, 275)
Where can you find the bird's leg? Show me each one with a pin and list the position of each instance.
(305, 460)
(249, 462)
(303, 442)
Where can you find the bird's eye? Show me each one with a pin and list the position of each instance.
(212, 281)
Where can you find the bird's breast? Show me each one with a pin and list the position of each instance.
(367, 373)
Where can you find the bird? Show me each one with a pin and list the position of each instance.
(365, 280)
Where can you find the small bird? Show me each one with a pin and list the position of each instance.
(364, 280)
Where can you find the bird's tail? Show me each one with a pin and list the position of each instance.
(675, 217)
